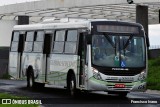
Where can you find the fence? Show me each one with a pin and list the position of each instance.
(154, 51)
(154, 47)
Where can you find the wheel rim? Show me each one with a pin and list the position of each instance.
(72, 87)
(30, 81)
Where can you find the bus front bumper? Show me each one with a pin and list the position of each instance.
(100, 85)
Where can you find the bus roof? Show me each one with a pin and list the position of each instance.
(61, 24)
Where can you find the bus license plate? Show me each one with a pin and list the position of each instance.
(119, 86)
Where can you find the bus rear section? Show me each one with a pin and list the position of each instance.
(16, 49)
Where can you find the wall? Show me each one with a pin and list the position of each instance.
(6, 27)
(4, 56)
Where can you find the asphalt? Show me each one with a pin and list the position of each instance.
(54, 97)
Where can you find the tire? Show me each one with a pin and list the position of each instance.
(30, 79)
(72, 86)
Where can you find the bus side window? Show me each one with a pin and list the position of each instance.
(39, 41)
(71, 42)
(15, 41)
(29, 41)
(58, 45)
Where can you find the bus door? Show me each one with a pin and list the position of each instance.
(16, 49)
(82, 54)
(47, 51)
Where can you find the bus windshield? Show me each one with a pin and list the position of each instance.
(118, 51)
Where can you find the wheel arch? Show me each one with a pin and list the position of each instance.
(29, 70)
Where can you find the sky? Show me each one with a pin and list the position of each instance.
(154, 34)
(154, 30)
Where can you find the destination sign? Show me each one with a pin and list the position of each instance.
(118, 29)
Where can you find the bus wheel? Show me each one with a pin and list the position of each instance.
(72, 86)
(30, 79)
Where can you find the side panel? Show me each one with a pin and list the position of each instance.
(36, 61)
(14, 59)
(16, 49)
(60, 64)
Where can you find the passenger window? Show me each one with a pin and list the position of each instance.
(15, 41)
(30, 36)
(70, 47)
(38, 46)
(14, 46)
(72, 35)
(38, 43)
(16, 36)
(29, 41)
(71, 43)
(40, 36)
(58, 46)
(60, 35)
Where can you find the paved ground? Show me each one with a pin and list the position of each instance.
(53, 97)
(153, 92)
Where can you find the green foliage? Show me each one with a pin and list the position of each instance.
(5, 95)
(6, 76)
(153, 80)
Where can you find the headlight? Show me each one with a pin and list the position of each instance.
(96, 74)
(142, 76)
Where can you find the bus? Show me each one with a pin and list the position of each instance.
(80, 55)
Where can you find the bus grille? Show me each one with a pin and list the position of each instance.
(120, 73)
(120, 81)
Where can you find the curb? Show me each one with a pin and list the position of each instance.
(152, 91)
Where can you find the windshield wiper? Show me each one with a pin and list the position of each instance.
(110, 41)
(127, 43)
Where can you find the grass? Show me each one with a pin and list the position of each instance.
(5, 95)
(4, 47)
(6, 76)
(153, 80)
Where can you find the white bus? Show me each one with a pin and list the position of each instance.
(80, 54)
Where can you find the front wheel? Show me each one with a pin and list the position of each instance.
(72, 86)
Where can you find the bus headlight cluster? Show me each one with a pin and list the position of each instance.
(142, 76)
(96, 74)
